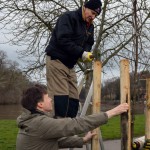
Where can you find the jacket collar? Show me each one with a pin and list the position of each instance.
(36, 111)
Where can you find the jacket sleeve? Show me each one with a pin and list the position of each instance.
(65, 34)
(58, 128)
(71, 142)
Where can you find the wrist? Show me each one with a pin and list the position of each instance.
(110, 113)
(84, 140)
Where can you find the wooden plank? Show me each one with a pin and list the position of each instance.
(147, 113)
(125, 97)
(96, 99)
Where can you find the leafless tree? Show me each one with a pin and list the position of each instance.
(12, 80)
(32, 21)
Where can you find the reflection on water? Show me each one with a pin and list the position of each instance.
(10, 111)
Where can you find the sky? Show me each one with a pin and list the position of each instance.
(12, 55)
(10, 49)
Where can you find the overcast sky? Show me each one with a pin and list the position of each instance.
(9, 49)
(12, 55)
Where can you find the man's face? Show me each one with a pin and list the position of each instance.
(89, 15)
(46, 104)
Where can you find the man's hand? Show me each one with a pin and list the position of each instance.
(87, 56)
(118, 110)
(146, 145)
(88, 136)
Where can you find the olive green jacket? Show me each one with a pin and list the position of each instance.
(38, 131)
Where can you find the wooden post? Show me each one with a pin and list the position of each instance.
(147, 113)
(96, 100)
(125, 98)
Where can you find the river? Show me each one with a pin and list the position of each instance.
(10, 111)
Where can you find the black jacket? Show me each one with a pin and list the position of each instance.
(70, 38)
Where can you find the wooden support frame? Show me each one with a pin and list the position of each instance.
(147, 112)
(96, 100)
(125, 98)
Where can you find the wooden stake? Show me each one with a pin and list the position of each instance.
(147, 113)
(96, 100)
(125, 98)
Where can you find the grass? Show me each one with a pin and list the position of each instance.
(112, 129)
(8, 131)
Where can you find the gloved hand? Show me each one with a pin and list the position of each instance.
(87, 56)
(146, 145)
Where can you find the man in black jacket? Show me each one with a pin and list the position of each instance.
(72, 38)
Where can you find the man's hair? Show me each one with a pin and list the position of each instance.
(32, 96)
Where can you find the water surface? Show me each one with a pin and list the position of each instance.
(10, 111)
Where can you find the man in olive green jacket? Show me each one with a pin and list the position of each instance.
(38, 131)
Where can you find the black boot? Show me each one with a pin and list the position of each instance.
(61, 104)
(73, 107)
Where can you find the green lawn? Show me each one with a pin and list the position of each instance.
(8, 131)
(112, 129)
